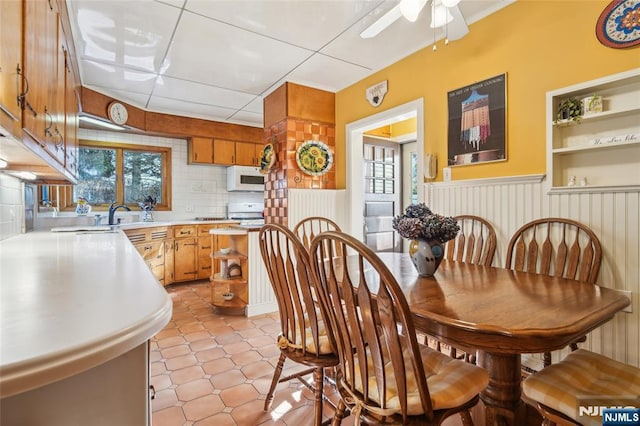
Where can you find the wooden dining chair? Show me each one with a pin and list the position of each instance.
(303, 337)
(309, 227)
(384, 376)
(475, 243)
(582, 378)
(556, 247)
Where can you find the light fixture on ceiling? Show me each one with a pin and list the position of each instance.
(22, 175)
(102, 123)
(3, 164)
(410, 9)
(440, 15)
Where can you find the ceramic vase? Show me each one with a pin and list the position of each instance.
(426, 256)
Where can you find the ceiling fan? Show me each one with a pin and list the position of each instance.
(443, 13)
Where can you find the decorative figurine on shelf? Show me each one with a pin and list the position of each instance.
(147, 206)
(572, 181)
(83, 207)
(583, 181)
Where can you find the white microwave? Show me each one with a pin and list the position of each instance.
(244, 178)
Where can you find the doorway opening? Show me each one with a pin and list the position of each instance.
(355, 159)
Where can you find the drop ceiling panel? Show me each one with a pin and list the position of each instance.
(221, 55)
(135, 34)
(117, 78)
(247, 118)
(308, 24)
(192, 109)
(190, 91)
(326, 73)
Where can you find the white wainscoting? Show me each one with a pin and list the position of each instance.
(329, 203)
(508, 203)
(262, 300)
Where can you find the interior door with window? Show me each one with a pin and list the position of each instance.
(381, 194)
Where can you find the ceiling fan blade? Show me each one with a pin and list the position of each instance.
(457, 28)
(383, 22)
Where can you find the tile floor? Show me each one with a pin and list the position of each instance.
(212, 369)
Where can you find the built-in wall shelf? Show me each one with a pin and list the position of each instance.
(602, 148)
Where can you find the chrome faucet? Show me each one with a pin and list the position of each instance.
(112, 211)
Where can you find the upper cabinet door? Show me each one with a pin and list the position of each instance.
(246, 153)
(201, 150)
(224, 152)
(10, 63)
(40, 67)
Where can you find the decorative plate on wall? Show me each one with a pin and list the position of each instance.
(314, 158)
(267, 158)
(619, 24)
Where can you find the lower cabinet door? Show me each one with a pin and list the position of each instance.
(185, 258)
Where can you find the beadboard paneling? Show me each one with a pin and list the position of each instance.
(262, 300)
(614, 216)
(328, 203)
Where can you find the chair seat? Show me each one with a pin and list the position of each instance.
(451, 382)
(581, 375)
(323, 342)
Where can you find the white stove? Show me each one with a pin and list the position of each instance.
(246, 213)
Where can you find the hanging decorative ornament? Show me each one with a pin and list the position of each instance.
(375, 93)
(619, 24)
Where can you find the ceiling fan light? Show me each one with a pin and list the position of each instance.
(411, 8)
(450, 3)
(441, 16)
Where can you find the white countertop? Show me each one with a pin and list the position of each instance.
(71, 301)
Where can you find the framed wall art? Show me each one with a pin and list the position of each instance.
(477, 122)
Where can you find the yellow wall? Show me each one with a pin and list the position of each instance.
(395, 130)
(540, 45)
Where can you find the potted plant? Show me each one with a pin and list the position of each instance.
(428, 231)
(569, 109)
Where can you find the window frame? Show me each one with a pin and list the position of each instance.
(120, 148)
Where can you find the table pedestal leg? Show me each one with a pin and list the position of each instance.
(502, 397)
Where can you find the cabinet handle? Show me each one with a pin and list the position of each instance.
(23, 95)
(47, 129)
(189, 244)
(206, 267)
(185, 232)
(205, 247)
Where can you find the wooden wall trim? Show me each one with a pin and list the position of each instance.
(95, 103)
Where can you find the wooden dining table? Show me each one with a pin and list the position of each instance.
(502, 314)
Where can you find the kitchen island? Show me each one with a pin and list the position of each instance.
(77, 311)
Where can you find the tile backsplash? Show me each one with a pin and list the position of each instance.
(11, 206)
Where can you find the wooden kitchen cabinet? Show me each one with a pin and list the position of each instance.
(185, 253)
(40, 70)
(10, 64)
(207, 244)
(71, 118)
(200, 150)
(150, 243)
(169, 264)
(224, 282)
(248, 153)
(224, 152)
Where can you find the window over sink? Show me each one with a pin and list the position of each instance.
(122, 173)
